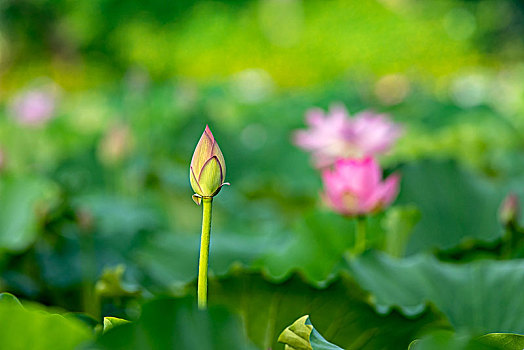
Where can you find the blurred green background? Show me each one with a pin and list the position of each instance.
(103, 101)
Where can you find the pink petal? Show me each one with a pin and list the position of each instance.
(203, 151)
(326, 136)
(315, 117)
(306, 140)
(374, 133)
(209, 134)
(360, 176)
(383, 195)
(332, 181)
(338, 111)
(390, 189)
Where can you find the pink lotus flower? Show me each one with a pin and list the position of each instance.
(373, 133)
(355, 187)
(116, 144)
(33, 107)
(336, 135)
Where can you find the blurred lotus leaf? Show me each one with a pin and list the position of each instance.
(111, 284)
(452, 341)
(8, 298)
(504, 340)
(33, 327)
(439, 340)
(456, 205)
(22, 199)
(398, 225)
(340, 310)
(479, 297)
(177, 324)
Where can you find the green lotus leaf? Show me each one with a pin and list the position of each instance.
(340, 310)
(301, 335)
(170, 323)
(504, 341)
(35, 327)
(478, 297)
(110, 322)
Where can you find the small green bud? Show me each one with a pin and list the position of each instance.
(208, 168)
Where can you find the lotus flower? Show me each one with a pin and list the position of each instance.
(355, 187)
(328, 136)
(33, 107)
(336, 135)
(373, 133)
(208, 168)
(116, 144)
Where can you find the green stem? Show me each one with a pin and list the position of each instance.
(360, 237)
(508, 240)
(204, 252)
(87, 251)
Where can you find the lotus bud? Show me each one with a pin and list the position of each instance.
(509, 210)
(208, 168)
